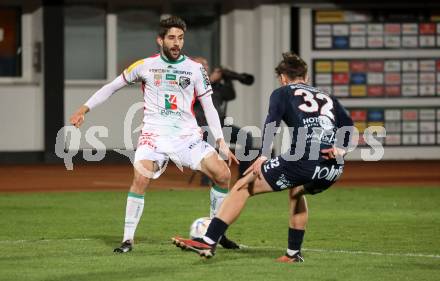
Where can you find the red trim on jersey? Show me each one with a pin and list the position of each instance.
(153, 56)
(125, 79)
(207, 92)
(193, 102)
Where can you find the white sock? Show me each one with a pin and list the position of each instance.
(133, 213)
(217, 195)
(292, 252)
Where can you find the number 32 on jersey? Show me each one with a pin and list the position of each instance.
(311, 105)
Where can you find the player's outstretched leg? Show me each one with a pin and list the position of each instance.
(228, 213)
(197, 245)
(135, 205)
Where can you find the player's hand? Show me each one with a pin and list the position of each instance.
(255, 168)
(77, 119)
(224, 150)
(332, 153)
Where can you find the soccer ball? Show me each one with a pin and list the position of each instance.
(198, 227)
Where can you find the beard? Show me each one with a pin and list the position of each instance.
(172, 54)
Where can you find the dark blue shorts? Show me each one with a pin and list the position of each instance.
(316, 176)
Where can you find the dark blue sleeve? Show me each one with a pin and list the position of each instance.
(277, 108)
(343, 120)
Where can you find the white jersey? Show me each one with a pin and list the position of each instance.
(170, 90)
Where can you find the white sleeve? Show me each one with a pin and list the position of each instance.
(211, 115)
(202, 83)
(105, 92)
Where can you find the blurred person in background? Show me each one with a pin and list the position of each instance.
(223, 92)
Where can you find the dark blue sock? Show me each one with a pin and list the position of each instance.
(216, 229)
(295, 239)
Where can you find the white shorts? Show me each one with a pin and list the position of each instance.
(185, 151)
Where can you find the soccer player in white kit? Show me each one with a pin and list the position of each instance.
(171, 82)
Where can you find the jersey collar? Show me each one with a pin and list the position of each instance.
(179, 60)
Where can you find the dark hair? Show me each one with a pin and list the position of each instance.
(292, 65)
(170, 22)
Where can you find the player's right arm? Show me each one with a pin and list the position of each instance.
(344, 122)
(129, 76)
(277, 108)
(100, 96)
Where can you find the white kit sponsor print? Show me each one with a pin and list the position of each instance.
(328, 173)
(283, 183)
(270, 164)
(323, 130)
(169, 89)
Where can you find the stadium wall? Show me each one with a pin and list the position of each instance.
(21, 106)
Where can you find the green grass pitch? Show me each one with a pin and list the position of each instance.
(353, 234)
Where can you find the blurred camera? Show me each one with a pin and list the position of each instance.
(244, 78)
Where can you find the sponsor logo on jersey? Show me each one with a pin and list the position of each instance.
(172, 83)
(170, 77)
(322, 121)
(321, 136)
(325, 123)
(205, 78)
(184, 82)
(329, 173)
(182, 72)
(170, 102)
(157, 79)
(158, 70)
(171, 108)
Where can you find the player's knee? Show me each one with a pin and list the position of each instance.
(240, 186)
(222, 178)
(296, 193)
(140, 183)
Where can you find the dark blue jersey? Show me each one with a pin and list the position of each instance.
(312, 115)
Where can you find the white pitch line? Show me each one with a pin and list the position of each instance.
(350, 252)
(374, 253)
(356, 252)
(44, 240)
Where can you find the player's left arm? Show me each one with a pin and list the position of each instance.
(128, 76)
(203, 87)
(99, 97)
(277, 107)
(213, 121)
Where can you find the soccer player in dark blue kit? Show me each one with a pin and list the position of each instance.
(322, 132)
